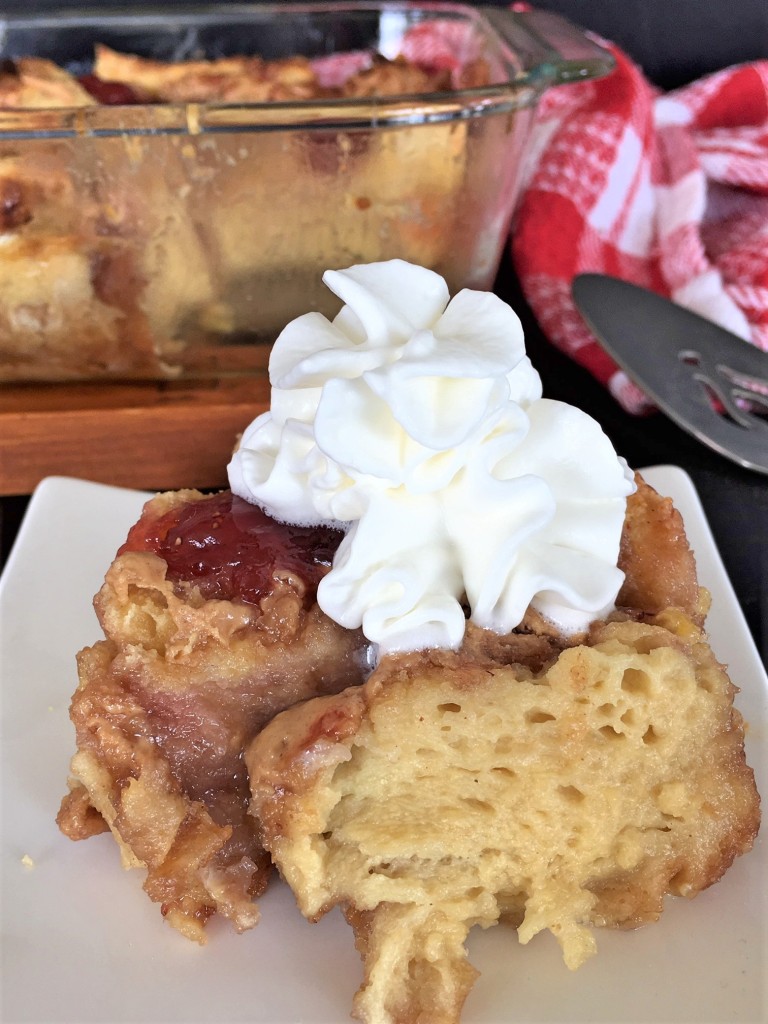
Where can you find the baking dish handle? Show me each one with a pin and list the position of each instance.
(551, 49)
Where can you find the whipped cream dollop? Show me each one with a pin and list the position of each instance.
(416, 423)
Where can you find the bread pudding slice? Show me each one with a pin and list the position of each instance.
(450, 791)
(211, 627)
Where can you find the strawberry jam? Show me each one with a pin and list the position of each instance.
(109, 93)
(231, 549)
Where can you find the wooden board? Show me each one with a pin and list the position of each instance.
(155, 436)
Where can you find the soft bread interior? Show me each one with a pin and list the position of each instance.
(444, 794)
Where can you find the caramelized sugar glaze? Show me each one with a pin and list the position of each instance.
(254, 581)
(211, 628)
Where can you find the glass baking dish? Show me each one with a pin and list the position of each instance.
(175, 240)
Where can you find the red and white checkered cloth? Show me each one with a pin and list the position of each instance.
(667, 191)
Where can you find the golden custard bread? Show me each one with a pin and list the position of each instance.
(553, 787)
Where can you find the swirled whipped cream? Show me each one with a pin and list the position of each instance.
(417, 424)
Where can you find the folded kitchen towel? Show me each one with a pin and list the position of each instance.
(669, 191)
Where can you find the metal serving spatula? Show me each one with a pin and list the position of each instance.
(711, 383)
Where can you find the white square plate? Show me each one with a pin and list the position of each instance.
(81, 943)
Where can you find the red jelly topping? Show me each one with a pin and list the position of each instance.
(231, 549)
(113, 94)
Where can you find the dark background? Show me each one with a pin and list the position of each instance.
(674, 41)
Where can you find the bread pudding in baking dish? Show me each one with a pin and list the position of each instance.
(132, 253)
(438, 656)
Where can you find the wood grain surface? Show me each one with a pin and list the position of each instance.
(149, 436)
